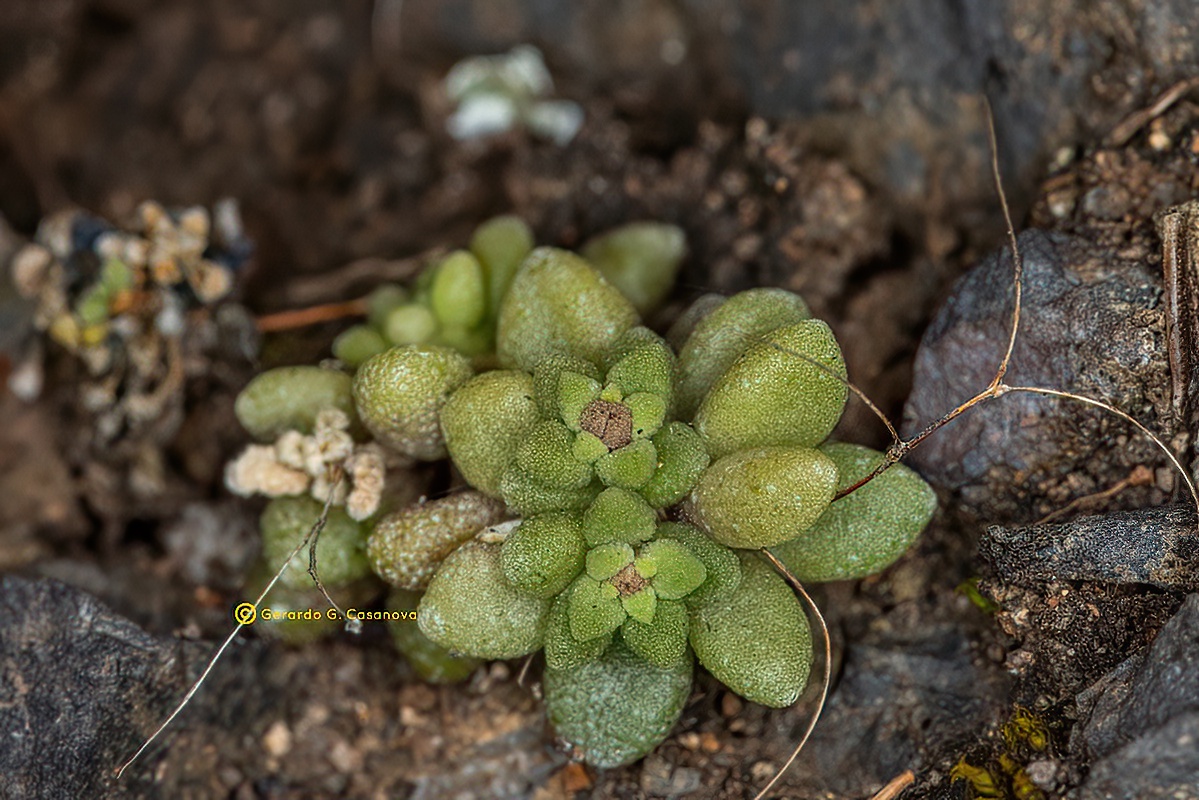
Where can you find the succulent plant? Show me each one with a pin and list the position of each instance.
(618, 490)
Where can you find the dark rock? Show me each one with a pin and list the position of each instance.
(79, 688)
(1090, 325)
(1155, 546)
(1146, 693)
(1161, 765)
(897, 706)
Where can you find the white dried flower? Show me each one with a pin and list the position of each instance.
(289, 449)
(322, 487)
(258, 471)
(332, 419)
(367, 472)
(333, 444)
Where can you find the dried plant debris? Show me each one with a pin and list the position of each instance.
(127, 322)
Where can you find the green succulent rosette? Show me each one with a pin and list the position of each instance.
(555, 439)
(454, 302)
(589, 433)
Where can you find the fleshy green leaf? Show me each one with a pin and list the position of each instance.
(640, 258)
(547, 378)
(755, 640)
(727, 331)
(759, 498)
(618, 515)
(630, 467)
(575, 393)
(641, 605)
(458, 295)
(547, 456)
(382, 301)
(663, 640)
(562, 649)
(647, 368)
(407, 546)
(588, 447)
(606, 560)
(471, 609)
(595, 608)
(501, 244)
(682, 458)
(558, 303)
(679, 571)
(356, 344)
(399, 395)
(411, 323)
(289, 398)
(340, 551)
(722, 565)
(775, 395)
(526, 496)
(484, 422)
(619, 707)
(649, 410)
(431, 662)
(545, 554)
(867, 530)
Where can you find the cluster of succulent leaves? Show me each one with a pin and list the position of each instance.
(620, 485)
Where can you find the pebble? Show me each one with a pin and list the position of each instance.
(659, 779)
(277, 739)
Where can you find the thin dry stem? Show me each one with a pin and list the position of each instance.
(1129, 126)
(895, 786)
(317, 527)
(1017, 262)
(826, 672)
(302, 317)
(1161, 445)
(1140, 476)
(352, 625)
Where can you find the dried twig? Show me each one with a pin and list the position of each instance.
(895, 786)
(1128, 127)
(1140, 476)
(301, 317)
